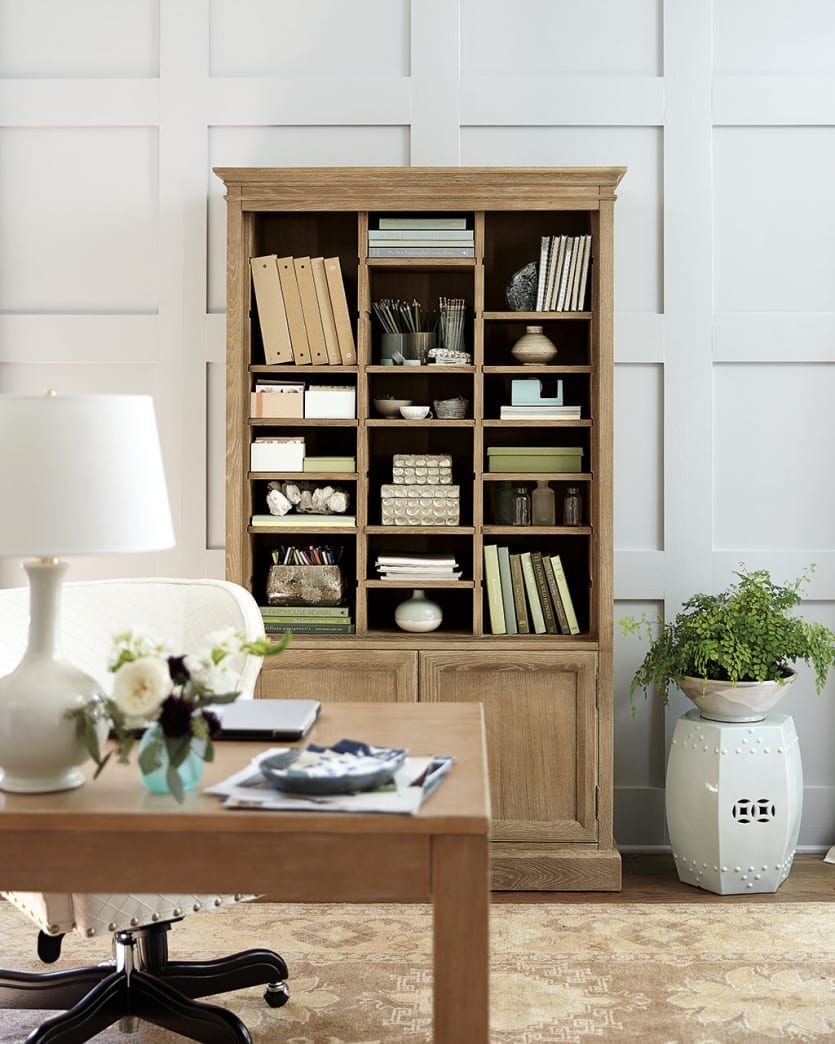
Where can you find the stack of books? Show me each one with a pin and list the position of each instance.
(411, 236)
(307, 619)
(539, 412)
(563, 273)
(303, 311)
(527, 593)
(423, 568)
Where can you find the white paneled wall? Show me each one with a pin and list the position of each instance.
(112, 266)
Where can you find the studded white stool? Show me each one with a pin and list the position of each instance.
(734, 798)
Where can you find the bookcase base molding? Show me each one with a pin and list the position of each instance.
(437, 450)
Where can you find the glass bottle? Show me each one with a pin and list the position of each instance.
(572, 507)
(543, 510)
(521, 506)
(503, 504)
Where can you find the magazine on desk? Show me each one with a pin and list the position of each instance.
(411, 785)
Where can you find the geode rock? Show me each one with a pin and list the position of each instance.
(520, 292)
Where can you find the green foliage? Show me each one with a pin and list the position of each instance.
(746, 633)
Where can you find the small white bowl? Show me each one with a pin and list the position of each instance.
(390, 407)
(414, 412)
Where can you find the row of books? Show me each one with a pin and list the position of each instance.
(563, 273)
(423, 568)
(307, 619)
(303, 311)
(527, 593)
(412, 236)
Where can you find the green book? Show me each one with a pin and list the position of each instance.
(269, 611)
(493, 584)
(544, 595)
(565, 595)
(537, 616)
(519, 603)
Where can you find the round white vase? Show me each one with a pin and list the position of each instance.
(418, 613)
(743, 702)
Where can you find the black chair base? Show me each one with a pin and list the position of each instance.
(142, 983)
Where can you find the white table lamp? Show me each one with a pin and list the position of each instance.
(79, 475)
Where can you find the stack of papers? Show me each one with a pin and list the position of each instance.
(411, 785)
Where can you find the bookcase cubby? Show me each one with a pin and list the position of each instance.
(548, 696)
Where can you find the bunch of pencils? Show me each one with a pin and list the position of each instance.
(452, 323)
(398, 316)
(312, 555)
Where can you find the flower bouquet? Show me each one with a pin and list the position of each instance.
(168, 693)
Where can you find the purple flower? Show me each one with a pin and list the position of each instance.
(212, 723)
(175, 716)
(178, 670)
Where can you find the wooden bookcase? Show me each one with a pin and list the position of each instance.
(547, 698)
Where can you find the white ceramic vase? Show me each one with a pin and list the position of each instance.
(418, 613)
(743, 702)
(533, 347)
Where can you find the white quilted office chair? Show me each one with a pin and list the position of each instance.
(140, 982)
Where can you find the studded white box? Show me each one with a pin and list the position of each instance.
(734, 800)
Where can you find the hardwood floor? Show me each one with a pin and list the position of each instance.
(653, 879)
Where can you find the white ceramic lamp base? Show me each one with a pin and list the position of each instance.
(734, 800)
(39, 750)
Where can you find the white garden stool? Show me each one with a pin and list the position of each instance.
(734, 799)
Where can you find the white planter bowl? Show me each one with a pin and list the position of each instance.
(745, 701)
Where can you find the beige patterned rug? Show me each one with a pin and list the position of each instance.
(657, 973)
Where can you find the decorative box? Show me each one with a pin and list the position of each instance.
(305, 585)
(535, 459)
(277, 404)
(330, 402)
(417, 505)
(268, 454)
(347, 464)
(422, 469)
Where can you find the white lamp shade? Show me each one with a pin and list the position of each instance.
(81, 475)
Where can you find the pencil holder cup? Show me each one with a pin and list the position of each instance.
(391, 344)
(419, 344)
(305, 585)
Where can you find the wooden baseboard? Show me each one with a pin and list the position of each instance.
(553, 868)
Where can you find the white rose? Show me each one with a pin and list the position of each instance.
(208, 676)
(140, 686)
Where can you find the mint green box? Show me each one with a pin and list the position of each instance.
(535, 459)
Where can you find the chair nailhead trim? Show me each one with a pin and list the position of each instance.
(196, 907)
(218, 902)
(177, 911)
(112, 926)
(91, 932)
(134, 921)
(154, 916)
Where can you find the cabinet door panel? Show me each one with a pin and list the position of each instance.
(331, 674)
(541, 721)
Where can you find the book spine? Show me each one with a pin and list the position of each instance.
(562, 619)
(295, 314)
(519, 604)
(388, 234)
(507, 591)
(320, 281)
(272, 316)
(542, 274)
(537, 617)
(306, 628)
(407, 221)
(565, 595)
(341, 313)
(557, 252)
(272, 611)
(494, 590)
(421, 251)
(581, 297)
(544, 597)
(310, 311)
(566, 267)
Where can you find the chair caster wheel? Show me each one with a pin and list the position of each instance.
(277, 994)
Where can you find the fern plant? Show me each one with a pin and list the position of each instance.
(747, 633)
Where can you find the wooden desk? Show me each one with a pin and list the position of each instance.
(111, 835)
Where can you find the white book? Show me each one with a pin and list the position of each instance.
(542, 275)
(566, 267)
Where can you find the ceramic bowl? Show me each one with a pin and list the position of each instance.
(414, 412)
(390, 407)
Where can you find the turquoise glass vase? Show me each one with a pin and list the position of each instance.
(190, 770)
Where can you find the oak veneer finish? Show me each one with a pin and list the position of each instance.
(111, 834)
(548, 698)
